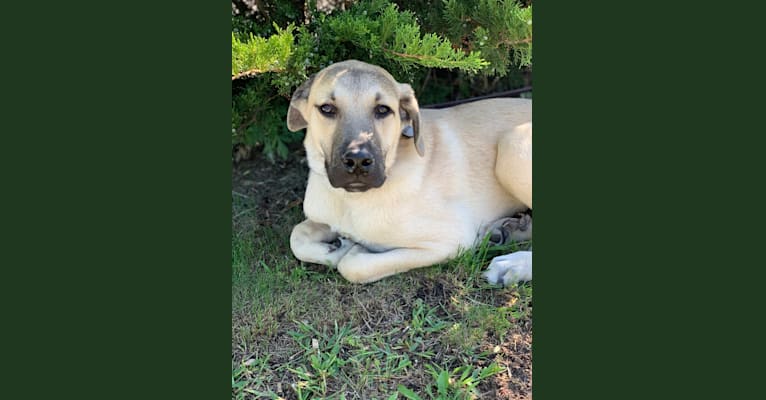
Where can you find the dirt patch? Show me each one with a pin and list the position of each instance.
(515, 354)
(268, 190)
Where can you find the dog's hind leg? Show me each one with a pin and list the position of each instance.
(513, 267)
(510, 268)
(513, 167)
(505, 230)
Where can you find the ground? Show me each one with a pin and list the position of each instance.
(300, 331)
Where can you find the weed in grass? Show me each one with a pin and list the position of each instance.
(389, 361)
(238, 384)
(424, 320)
(324, 358)
(246, 379)
(476, 323)
(459, 384)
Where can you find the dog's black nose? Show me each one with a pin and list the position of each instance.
(358, 162)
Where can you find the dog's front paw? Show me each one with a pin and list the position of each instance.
(510, 268)
(351, 268)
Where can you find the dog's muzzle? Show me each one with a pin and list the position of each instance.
(357, 170)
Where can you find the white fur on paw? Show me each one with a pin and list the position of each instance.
(510, 268)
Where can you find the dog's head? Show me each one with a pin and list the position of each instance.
(355, 114)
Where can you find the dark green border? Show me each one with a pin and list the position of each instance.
(116, 178)
(644, 167)
(117, 276)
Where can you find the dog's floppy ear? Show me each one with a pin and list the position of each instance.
(295, 119)
(410, 114)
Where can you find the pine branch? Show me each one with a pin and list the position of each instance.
(414, 56)
(502, 30)
(515, 42)
(396, 35)
(258, 55)
(253, 72)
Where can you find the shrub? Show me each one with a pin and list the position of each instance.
(446, 49)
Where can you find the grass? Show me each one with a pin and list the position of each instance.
(300, 331)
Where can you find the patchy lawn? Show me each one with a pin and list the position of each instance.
(300, 331)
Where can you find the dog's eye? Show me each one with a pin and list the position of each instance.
(382, 111)
(328, 110)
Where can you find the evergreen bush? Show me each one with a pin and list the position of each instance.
(446, 49)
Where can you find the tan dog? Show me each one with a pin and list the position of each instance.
(392, 187)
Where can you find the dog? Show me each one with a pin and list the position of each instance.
(392, 187)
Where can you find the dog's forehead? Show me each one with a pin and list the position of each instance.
(356, 84)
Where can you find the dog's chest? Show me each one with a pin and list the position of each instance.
(374, 225)
(374, 228)
(372, 231)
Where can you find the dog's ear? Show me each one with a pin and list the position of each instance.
(295, 119)
(410, 114)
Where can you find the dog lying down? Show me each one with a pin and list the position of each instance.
(392, 187)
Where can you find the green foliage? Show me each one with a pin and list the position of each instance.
(460, 383)
(260, 55)
(479, 321)
(445, 49)
(501, 30)
(258, 117)
(424, 320)
(324, 356)
(395, 35)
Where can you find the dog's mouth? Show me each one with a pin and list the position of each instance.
(356, 187)
(357, 182)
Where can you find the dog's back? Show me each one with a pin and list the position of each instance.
(469, 135)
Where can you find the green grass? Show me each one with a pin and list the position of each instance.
(300, 331)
